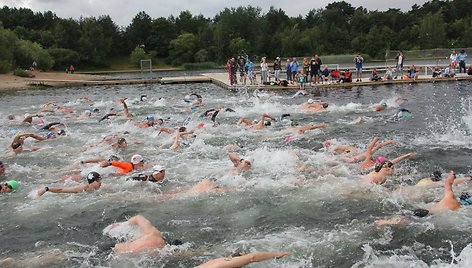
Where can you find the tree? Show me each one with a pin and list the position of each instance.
(7, 46)
(183, 48)
(139, 31)
(63, 57)
(432, 31)
(26, 52)
(137, 55)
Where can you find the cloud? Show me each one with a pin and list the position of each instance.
(123, 11)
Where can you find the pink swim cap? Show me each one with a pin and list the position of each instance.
(201, 125)
(289, 138)
(380, 159)
(326, 144)
(40, 122)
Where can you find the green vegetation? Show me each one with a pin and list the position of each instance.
(338, 29)
(201, 65)
(22, 73)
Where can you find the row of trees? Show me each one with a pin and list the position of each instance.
(339, 28)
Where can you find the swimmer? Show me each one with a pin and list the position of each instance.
(29, 118)
(148, 122)
(366, 156)
(16, 145)
(52, 134)
(136, 163)
(447, 203)
(94, 182)
(402, 113)
(114, 141)
(383, 169)
(435, 180)
(312, 107)
(52, 126)
(126, 112)
(256, 124)
(151, 239)
(9, 186)
(303, 129)
(381, 106)
(238, 260)
(240, 165)
(180, 139)
(158, 174)
(2, 171)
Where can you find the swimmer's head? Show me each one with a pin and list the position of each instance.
(420, 212)
(150, 118)
(15, 145)
(464, 196)
(121, 141)
(87, 113)
(182, 129)
(326, 144)
(136, 159)
(160, 121)
(143, 97)
(436, 176)
(61, 132)
(158, 173)
(40, 122)
(11, 117)
(383, 103)
(310, 101)
(325, 105)
(267, 123)
(93, 177)
(50, 134)
(13, 185)
(380, 159)
(293, 123)
(96, 110)
(113, 158)
(380, 165)
(176, 242)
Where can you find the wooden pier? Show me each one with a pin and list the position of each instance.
(70, 83)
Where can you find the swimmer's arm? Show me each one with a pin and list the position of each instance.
(76, 189)
(448, 192)
(92, 160)
(403, 157)
(166, 130)
(385, 143)
(255, 257)
(234, 158)
(462, 180)
(143, 223)
(267, 116)
(125, 106)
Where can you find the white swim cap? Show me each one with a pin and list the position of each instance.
(136, 159)
(310, 101)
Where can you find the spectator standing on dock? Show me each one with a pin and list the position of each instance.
(250, 71)
(264, 70)
(241, 67)
(399, 58)
(34, 66)
(234, 69)
(289, 71)
(277, 68)
(306, 68)
(315, 66)
(453, 58)
(462, 57)
(295, 66)
(358, 60)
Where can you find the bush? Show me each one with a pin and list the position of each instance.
(22, 73)
(26, 52)
(137, 55)
(201, 65)
(4, 66)
(63, 58)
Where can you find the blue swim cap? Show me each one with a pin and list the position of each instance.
(150, 117)
(50, 134)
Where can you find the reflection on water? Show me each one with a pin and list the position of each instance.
(296, 198)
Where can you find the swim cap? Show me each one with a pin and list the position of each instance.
(326, 144)
(150, 117)
(200, 125)
(50, 134)
(93, 176)
(40, 121)
(15, 145)
(136, 159)
(380, 159)
(157, 168)
(61, 132)
(143, 97)
(182, 129)
(436, 176)
(420, 212)
(325, 105)
(383, 103)
(310, 101)
(113, 158)
(13, 184)
(267, 123)
(294, 123)
(87, 113)
(96, 110)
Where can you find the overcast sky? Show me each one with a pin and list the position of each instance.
(123, 11)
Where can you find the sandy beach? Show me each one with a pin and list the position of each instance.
(12, 82)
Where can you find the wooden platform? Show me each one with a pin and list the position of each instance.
(222, 80)
(185, 79)
(65, 83)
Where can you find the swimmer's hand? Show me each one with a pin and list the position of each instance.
(41, 191)
(282, 254)
(412, 155)
(105, 164)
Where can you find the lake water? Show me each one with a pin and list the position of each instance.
(307, 205)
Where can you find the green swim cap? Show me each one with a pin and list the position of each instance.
(13, 184)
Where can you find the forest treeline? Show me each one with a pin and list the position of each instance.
(339, 28)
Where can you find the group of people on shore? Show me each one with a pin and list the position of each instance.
(312, 72)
